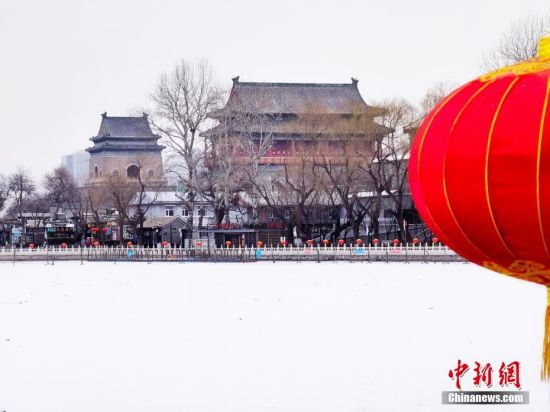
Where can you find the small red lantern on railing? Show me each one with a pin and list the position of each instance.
(64, 246)
(375, 242)
(326, 242)
(416, 241)
(358, 242)
(259, 243)
(228, 243)
(31, 246)
(94, 230)
(435, 240)
(309, 242)
(198, 244)
(395, 242)
(284, 243)
(165, 244)
(104, 229)
(96, 244)
(129, 244)
(341, 242)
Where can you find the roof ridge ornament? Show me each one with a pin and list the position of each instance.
(235, 79)
(354, 81)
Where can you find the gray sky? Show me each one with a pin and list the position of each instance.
(63, 62)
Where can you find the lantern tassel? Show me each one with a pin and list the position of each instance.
(546, 343)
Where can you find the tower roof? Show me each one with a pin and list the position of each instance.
(282, 98)
(125, 134)
(125, 127)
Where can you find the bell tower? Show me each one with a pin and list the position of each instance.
(125, 148)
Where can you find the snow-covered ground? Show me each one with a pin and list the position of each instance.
(259, 337)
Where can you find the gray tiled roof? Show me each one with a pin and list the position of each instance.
(329, 98)
(125, 134)
(132, 127)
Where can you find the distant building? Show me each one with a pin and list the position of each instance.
(298, 119)
(125, 147)
(278, 125)
(78, 165)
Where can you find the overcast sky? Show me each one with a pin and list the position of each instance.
(63, 62)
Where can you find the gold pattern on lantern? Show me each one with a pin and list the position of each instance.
(523, 269)
(538, 64)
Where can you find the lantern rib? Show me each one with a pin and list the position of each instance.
(445, 193)
(433, 115)
(429, 125)
(539, 149)
(487, 152)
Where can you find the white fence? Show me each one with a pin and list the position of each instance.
(203, 251)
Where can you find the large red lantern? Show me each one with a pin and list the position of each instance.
(481, 156)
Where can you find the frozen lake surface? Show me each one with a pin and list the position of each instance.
(260, 336)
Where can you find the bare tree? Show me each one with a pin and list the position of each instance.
(20, 186)
(36, 209)
(3, 192)
(63, 192)
(236, 159)
(219, 181)
(183, 99)
(343, 180)
(58, 185)
(431, 98)
(145, 194)
(294, 196)
(518, 43)
(96, 200)
(388, 170)
(121, 194)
